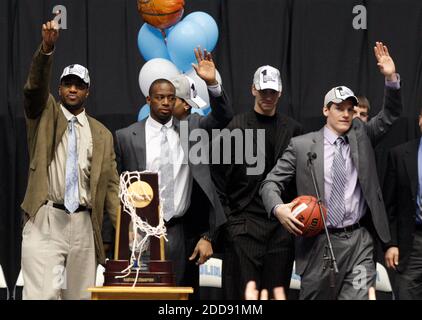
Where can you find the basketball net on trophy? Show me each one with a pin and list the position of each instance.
(135, 193)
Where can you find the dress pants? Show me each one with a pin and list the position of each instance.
(409, 281)
(354, 255)
(259, 249)
(175, 250)
(58, 255)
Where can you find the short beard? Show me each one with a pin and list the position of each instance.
(73, 107)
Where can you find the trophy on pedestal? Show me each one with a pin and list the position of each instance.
(140, 231)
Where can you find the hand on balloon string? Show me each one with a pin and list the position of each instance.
(205, 67)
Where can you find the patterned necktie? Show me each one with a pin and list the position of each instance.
(166, 177)
(71, 194)
(336, 207)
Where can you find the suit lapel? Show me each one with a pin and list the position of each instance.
(60, 130)
(318, 148)
(97, 155)
(139, 145)
(411, 164)
(351, 135)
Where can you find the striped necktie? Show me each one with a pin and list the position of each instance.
(166, 176)
(336, 206)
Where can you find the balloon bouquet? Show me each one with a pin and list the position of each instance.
(167, 44)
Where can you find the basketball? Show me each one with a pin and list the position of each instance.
(161, 14)
(307, 212)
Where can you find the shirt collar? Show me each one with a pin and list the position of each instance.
(330, 135)
(156, 126)
(81, 117)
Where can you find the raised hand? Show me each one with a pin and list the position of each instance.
(50, 34)
(385, 62)
(205, 67)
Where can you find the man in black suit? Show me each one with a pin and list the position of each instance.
(195, 210)
(256, 246)
(403, 199)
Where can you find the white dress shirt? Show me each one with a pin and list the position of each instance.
(182, 175)
(57, 168)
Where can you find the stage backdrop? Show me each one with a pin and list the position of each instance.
(313, 42)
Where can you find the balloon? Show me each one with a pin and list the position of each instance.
(155, 69)
(151, 43)
(161, 13)
(143, 112)
(209, 26)
(198, 111)
(201, 86)
(206, 110)
(182, 39)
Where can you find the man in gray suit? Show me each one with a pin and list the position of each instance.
(194, 213)
(347, 178)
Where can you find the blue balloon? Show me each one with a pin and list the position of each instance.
(182, 39)
(206, 110)
(151, 43)
(198, 111)
(209, 26)
(143, 112)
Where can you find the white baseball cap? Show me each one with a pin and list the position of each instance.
(267, 77)
(76, 70)
(340, 94)
(186, 90)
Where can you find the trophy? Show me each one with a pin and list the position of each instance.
(140, 235)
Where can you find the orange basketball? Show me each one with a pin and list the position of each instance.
(307, 212)
(161, 13)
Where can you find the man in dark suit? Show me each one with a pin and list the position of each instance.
(346, 174)
(403, 200)
(72, 181)
(195, 210)
(256, 246)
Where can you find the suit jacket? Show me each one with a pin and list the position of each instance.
(131, 155)
(236, 188)
(400, 191)
(294, 164)
(46, 125)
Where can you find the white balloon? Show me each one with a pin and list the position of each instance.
(201, 86)
(154, 69)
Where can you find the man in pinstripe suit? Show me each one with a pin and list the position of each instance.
(257, 247)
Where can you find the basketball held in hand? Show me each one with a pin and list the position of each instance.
(161, 14)
(307, 211)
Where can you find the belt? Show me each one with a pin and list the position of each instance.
(345, 229)
(62, 207)
(173, 221)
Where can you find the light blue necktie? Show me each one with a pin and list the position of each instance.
(166, 176)
(71, 195)
(336, 206)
